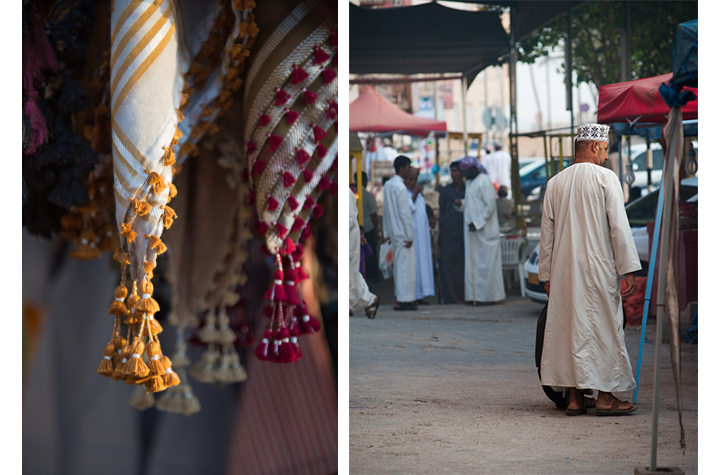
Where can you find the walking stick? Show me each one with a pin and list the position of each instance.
(473, 270)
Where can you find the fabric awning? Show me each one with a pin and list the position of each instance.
(639, 99)
(371, 112)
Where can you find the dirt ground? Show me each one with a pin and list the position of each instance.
(454, 389)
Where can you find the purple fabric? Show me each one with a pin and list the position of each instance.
(365, 251)
(467, 162)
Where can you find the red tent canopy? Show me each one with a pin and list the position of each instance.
(371, 112)
(639, 99)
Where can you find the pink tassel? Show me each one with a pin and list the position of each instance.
(320, 56)
(308, 96)
(332, 111)
(288, 179)
(294, 329)
(291, 116)
(287, 247)
(291, 293)
(282, 97)
(302, 156)
(288, 354)
(274, 351)
(318, 133)
(329, 75)
(261, 351)
(322, 150)
(292, 203)
(250, 147)
(297, 253)
(276, 291)
(307, 175)
(281, 230)
(261, 228)
(298, 223)
(333, 189)
(274, 141)
(300, 272)
(258, 167)
(307, 233)
(308, 323)
(317, 211)
(324, 183)
(272, 203)
(299, 75)
(310, 203)
(263, 119)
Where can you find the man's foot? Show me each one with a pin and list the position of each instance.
(608, 405)
(371, 311)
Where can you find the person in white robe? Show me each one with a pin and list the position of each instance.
(502, 164)
(360, 295)
(422, 238)
(586, 249)
(398, 230)
(483, 262)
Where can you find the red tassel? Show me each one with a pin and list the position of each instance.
(291, 116)
(332, 111)
(258, 167)
(308, 323)
(318, 133)
(297, 253)
(292, 203)
(263, 119)
(302, 156)
(288, 247)
(268, 311)
(261, 228)
(276, 291)
(334, 38)
(288, 179)
(252, 197)
(282, 97)
(274, 354)
(322, 150)
(306, 233)
(310, 203)
(298, 223)
(296, 347)
(250, 147)
(329, 75)
(274, 142)
(288, 354)
(272, 203)
(281, 230)
(308, 96)
(324, 183)
(333, 189)
(261, 351)
(300, 272)
(299, 75)
(307, 175)
(291, 292)
(320, 56)
(317, 211)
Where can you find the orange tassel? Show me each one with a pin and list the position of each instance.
(146, 303)
(154, 384)
(183, 99)
(106, 365)
(170, 378)
(126, 229)
(154, 364)
(168, 157)
(155, 327)
(136, 367)
(180, 115)
(118, 308)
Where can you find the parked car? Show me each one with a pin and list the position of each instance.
(534, 174)
(639, 212)
(640, 165)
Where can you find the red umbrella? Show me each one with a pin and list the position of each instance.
(639, 99)
(371, 112)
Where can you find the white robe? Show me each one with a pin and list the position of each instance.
(479, 208)
(502, 162)
(360, 295)
(422, 248)
(397, 226)
(586, 247)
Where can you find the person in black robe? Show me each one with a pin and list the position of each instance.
(451, 245)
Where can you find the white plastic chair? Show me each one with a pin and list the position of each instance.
(512, 247)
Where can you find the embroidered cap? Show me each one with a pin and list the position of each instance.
(594, 132)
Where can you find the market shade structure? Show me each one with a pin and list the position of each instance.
(371, 112)
(639, 99)
(427, 38)
(431, 38)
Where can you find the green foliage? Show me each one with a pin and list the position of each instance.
(596, 38)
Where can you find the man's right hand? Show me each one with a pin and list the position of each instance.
(408, 244)
(388, 240)
(547, 288)
(630, 286)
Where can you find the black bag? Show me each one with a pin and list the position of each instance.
(560, 399)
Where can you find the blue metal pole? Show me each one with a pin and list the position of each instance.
(649, 286)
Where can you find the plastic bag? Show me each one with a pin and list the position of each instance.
(386, 260)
